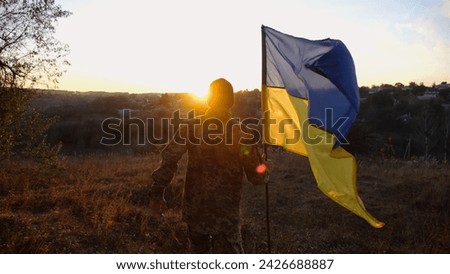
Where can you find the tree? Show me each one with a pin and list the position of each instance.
(429, 130)
(399, 85)
(364, 92)
(28, 50)
(29, 56)
(444, 94)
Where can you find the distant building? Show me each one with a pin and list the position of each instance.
(428, 95)
(407, 88)
(442, 86)
(374, 90)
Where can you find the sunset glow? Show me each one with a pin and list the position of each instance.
(200, 94)
(181, 46)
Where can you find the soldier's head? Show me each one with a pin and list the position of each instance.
(220, 94)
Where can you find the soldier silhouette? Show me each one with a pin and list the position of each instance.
(214, 176)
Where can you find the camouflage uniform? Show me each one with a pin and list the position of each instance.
(213, 185)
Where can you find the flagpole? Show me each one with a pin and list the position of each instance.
(264, 116)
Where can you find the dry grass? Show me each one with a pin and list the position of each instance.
(94, 204)
(98, 204)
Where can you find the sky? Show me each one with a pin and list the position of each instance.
(181, 46)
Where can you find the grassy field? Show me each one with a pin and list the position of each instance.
(98, 204)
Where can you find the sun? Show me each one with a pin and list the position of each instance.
(200, 94)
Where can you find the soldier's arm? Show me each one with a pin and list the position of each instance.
(252, 162)
(163, 175)
(254, 168)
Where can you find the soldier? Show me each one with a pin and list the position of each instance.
(214, 177)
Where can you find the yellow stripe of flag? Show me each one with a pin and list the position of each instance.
(333, 169)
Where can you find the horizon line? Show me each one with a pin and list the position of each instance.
(190, 92)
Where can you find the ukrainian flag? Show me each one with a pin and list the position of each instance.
(310, 99)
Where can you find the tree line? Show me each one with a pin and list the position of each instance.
(391, 123)
(401, 124)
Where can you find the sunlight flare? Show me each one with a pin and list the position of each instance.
(200, 94)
